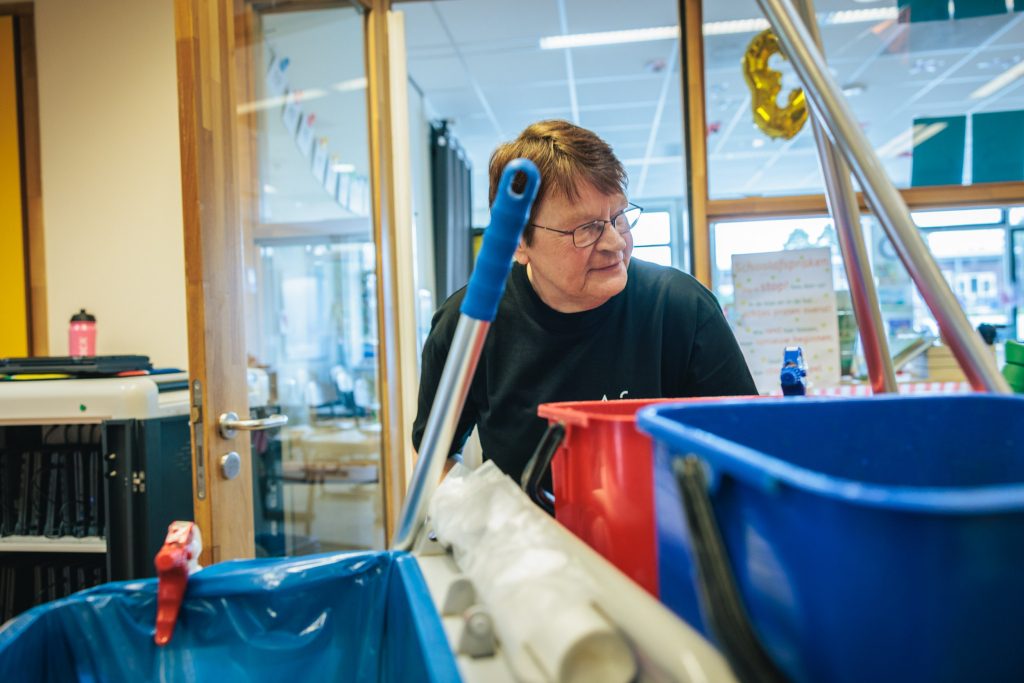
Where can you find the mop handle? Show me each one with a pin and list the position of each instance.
(511, 209)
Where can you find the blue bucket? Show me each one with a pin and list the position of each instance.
(365, 617)
(877, 539)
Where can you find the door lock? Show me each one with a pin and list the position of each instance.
(230, 465)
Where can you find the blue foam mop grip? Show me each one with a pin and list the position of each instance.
(509, 214)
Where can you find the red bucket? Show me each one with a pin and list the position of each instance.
(602, 475)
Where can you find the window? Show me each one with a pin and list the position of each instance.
(975, 260)
(488, 73)
(652, 237)
(765, 235)
(938, 96)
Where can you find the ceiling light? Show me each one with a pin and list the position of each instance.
(898, 144)
(999, 82)
(859, 16)
(258, 105)
(638, 35)
(711, 28)
(723, 28)
(927, 132)
(854, 89)
(270, 102)
(957, 217)
(908, 139)
(351, 84)
(343, 168)
(301, 96)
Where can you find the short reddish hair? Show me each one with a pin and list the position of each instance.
(566, 156)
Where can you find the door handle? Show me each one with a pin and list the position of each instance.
(231, 425)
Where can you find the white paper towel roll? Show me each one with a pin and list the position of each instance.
(542, 600)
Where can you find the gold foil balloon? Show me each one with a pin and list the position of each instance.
(765, 84)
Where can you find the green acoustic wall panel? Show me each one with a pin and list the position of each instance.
(939, 158)
(997, 147)
(923, 10)
(962, 9)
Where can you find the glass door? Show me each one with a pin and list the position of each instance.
(310, 280)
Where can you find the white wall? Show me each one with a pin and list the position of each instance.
(112, 208)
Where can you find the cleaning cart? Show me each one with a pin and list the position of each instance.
(430, 609)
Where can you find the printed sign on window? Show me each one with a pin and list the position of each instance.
(786, 298)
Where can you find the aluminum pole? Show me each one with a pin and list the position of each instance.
(517, 189)
(842, 204)
(977, 362)
(452, 390)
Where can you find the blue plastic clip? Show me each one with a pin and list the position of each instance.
(793, 372)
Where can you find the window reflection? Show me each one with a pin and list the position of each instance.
(487, 91)
(939, 97)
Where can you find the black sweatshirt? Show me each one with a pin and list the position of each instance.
(664, 335)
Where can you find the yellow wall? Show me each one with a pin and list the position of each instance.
(13, 308)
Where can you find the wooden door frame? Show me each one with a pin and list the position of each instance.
(205, 37)
(397, 379)
(691, 19)
(218, 160)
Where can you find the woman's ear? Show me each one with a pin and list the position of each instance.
(521, 256)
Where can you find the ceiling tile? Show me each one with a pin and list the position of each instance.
(422, 27)
(588, 16)
(526, 96)
(455, 104)
(639, 89)
(438, 74)
(517, 67)
(627, 60)
(495, 20)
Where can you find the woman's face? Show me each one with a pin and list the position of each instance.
(567, 278)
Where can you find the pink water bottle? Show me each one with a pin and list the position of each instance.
(82, 334)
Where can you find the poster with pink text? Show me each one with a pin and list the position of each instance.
(786, 298)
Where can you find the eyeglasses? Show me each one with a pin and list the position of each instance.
(589, 233)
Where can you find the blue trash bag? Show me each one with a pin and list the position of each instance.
(363, 617)
(871, 539)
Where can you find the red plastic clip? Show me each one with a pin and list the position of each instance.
(177, 559)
